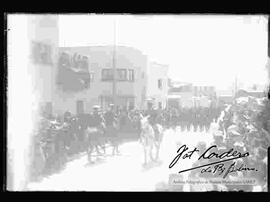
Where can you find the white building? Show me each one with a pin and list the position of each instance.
(137, 78)
(32, 52)
(187, 95)
(157, 85)
(225, 96)
(208, 91)
(268, 67)
(182, 94)
(201, 101)
(130, 66)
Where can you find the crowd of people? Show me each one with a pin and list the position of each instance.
(243, 126)
(61, 137)
(240, 128)
(64, 136)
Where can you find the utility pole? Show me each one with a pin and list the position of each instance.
(235, 90)
(114, 93)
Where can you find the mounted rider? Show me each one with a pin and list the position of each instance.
(154, 119)
(97, 120)
(111, 127)
(110, 116)
(151, 133)
(95, 129)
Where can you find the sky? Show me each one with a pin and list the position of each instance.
(202, 49)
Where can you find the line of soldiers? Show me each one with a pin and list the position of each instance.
(199, 118)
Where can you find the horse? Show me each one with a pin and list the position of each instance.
(150, 138)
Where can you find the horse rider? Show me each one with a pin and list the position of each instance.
(154, 119)
(69, 133)
(111, 128)
(83, 122)
(97, 127)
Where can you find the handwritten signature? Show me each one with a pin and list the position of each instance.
(220, 169)
(184, 153)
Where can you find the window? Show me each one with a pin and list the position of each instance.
(80, 107)
(130, 75)
(91, 76)
(160, 83)
(41, 53)
(121, 74)
(106, 74)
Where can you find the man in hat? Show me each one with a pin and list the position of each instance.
(96, 121)
(152, 113)
(111, 128)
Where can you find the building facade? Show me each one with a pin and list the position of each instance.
(186, 95)
(208, 91)
(32, 52)
(131, 84)
(181, 93)
(157, 85)
(225, 97)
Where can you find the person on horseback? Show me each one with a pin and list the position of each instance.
(154, 119)
(83, 119)
(95, 131)
(111, 128)
(153, 114)
(70, 131)
(150, 138)
(147, 138)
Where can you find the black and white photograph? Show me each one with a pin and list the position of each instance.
(137, 102)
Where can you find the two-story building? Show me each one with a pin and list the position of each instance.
(208, 91)
(157, 85)
(32, 52)
(187, 95)
(76, 78)
(130, 65)
(180, 95)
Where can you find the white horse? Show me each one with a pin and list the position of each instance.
(151, 139)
